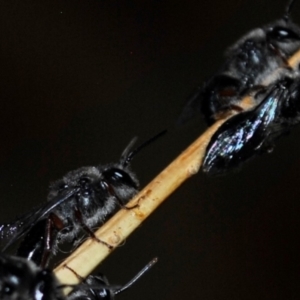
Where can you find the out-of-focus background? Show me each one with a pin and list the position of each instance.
(79, 79)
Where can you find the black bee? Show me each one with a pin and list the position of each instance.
(82, 200)
(21, 279)
(257, 66)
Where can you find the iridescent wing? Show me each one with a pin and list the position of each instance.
(245, 134)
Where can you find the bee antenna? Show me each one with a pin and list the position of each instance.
(137, 276)
(83, 285)
(127, 156)
(288, 9)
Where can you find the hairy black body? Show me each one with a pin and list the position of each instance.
(256, 66)
(82, 200)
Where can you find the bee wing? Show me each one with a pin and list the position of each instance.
(16, 229)
(244, 135)
(53, 203)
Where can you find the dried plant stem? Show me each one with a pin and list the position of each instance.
(122, 224)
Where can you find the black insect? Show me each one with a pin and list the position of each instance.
(256, 66)
(21, 279)
(80, 201)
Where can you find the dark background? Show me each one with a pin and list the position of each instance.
(80, 78)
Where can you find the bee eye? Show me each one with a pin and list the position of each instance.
(114, 174)
(282, 34)
(117, 175)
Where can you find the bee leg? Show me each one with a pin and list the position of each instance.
(38, 243)
(80, 278)
(129, 208)
(113, 194)
(54, 224)
(280, 54)
(88, 230)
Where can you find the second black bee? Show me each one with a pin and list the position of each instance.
(259, 88)
(21, 279)
(82, 200)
